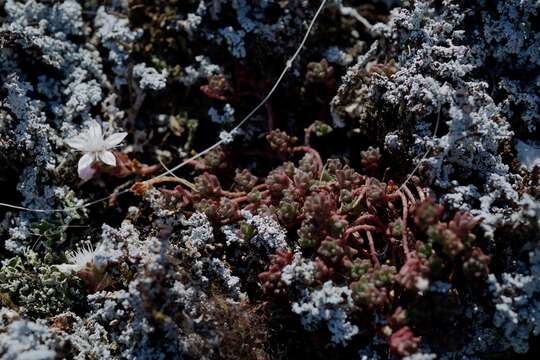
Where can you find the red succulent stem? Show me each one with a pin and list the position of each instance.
(365, 217)
(240, 199)
(360, 191)
(252, 206)
(392, 196)
(246, 197)
(205, 89)
(307, 134)
(199, 165)
(312, 151)
(353, 229)
(409, 194)
(372, 249)
(232, 194)
(260, 187)
(421, 193)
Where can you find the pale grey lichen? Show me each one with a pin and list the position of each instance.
(270, 235)
(472, 68)
(226, 116)
(24, 339)
(116, 36)
(235, 41)
(421, 356)
(440, 77)
(202, 69)
(198, 234)
(517, 302)
(149, 78)
(232, 236)
(329, 305)
(300, 271)
(528, 154)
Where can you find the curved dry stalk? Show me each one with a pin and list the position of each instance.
(404, 225)
(141, 186)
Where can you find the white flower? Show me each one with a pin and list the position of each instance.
(79, 259)
(94, 147)
(86, 256)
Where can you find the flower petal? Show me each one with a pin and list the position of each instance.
(66, 268)
(85, 161)
(77, 142)
(115, 139)
(87, 173)
(107, 157)
(84, 166)
(94, 129)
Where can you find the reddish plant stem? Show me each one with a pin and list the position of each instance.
(249, 207)
(307, 134)
(356, 228)
(370, 205)
(232, 194)
(315, 154)
(245, 197)
(404, 221)
(254, 206)
(260, 187)
(178, 191)
(199, 165)
(365, 217)
(392, 196)
(409, 194)
(240, 199)
(360, 191)
(146, 170)
(205, 89)
(372, 249)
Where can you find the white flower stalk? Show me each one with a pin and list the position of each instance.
(94, 147)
